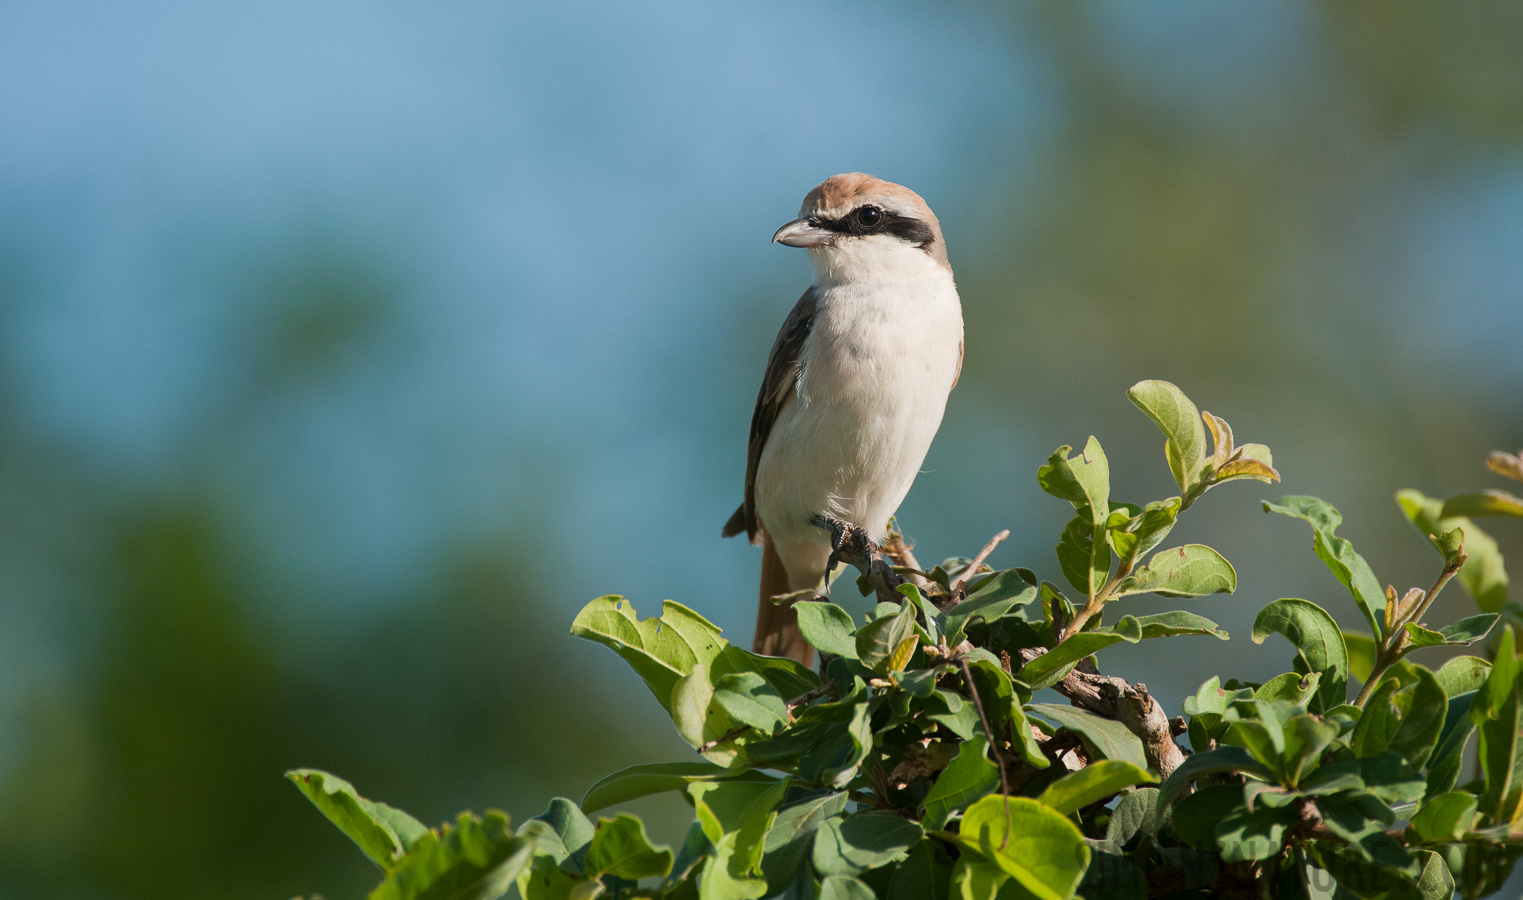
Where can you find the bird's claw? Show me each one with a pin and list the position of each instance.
(848, 544)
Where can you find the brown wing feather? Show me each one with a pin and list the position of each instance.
(777, 385)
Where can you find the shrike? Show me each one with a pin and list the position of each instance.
(855, 387)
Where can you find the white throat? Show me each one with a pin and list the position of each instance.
(880, 260)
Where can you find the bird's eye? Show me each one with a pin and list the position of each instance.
(870, 217)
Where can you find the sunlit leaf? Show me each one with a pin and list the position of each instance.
(1049, 668)
(471, 859)
(1445, 817)
(1083, 480)
(1338, 554)
(1318, 642)
(1181, 424)
(382, 832)
(621, 848)
(1085, 561)
(750, 699)
(1193, 570)
(1486, 503)
(1178, 622)
(1093, 783)
(878, 639)
(1033, 844)
(643, 780)
(828, 628)
(1484, 576)
(660, 650)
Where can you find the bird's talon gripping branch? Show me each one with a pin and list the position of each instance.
(851, 545)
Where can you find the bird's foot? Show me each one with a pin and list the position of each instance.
(848, 544)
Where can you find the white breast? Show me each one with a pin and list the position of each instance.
(876, 371)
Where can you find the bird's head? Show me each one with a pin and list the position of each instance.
(857, 226)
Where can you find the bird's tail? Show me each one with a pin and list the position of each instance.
(777, 627)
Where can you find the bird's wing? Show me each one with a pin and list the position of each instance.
(777, 386)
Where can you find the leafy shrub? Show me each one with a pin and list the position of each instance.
(916, 763)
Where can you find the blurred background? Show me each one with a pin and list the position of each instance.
(348, 349)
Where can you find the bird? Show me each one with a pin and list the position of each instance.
(854, 391)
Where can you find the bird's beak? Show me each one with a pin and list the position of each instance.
(801, 233)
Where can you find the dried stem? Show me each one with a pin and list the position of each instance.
(961, 580)
(1395, 643)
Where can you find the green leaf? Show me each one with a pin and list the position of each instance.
(1318, 642)
(826, 743)
(1291, 687)
(1253, 461)
(862, 841)
(735, 817)
(844, 887)
(1193, 570)
(641, 781)
(924, 875)
(382, 832)
(1338, 554)
(621, 847)
(1332, 778)
(878, 639)
(1435, 882)
(543, 879)
(750, 699)
(1469, 630)
(974, 878)
(1379, 721)
(1049, 668)
(1210, 762)
(1178, 622)
(989, 603)
(1243, 836)
(1423, 708)
(1500, 753)
(565, 821)
(1392, 779)
(1361, 650)
(1137, 812)
(1111, 876)
(660, 650)
(1444, 764)
(1146, 530)
(1500, 682)
(828, 628)
(1082, 480)
(1181, 424)
(968, 777)
(1486, 503)
(791, 838)
(1195, 817)
(473, 859)
(1306, 737)
(1093, 783)
(1484, 576)
(1462, 674)
(1085, 561)
(786, 675)
(949, 710)
(1103, 738)
(1446, 817)
(1458, 634)
(1034, 844)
